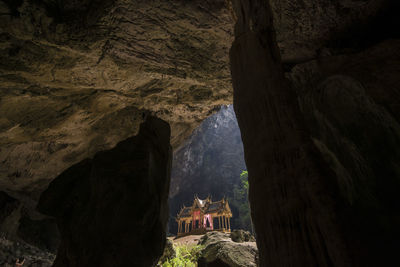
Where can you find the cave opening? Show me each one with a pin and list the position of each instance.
(210, 163)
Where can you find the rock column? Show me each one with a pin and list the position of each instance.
(112, 210)
(293, 200)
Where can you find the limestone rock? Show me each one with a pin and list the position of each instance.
(242, 236)
(112, 210)
(75, 78)
(75, 75)
(323, 166)
(220, 250)
(353, 114)
(308, 29)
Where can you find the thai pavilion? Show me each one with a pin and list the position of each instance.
(204, 215)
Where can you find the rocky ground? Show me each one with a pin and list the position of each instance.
(236, 249)
(34, 257)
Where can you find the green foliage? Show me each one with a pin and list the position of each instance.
(186, 256)
(239, 200)
(244, 179)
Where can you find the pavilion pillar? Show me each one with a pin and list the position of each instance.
(219, 222)
(225, 222)
(229, 223)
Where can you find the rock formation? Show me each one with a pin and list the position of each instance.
(321, 184)
(241, 236)
(112, 210)
(75, 76)
(220, 250)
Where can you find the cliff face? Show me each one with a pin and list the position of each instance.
(209, 162)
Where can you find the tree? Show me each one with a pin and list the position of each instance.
(240, 202)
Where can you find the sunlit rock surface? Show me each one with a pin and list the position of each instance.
(75, 76)
(220, 250)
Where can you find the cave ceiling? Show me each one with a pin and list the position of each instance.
(76, 77)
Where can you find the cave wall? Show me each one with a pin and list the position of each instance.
(321, 146)
(112, 210)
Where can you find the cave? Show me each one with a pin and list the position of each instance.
(96, 95)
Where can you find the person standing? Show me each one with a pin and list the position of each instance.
(19, 263)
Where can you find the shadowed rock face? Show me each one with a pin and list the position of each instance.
(7, 205)
(351, 105)
(112, 210)
(323, 165)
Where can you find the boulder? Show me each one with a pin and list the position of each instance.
(242, 236)
(112, 210)
(220, 250)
